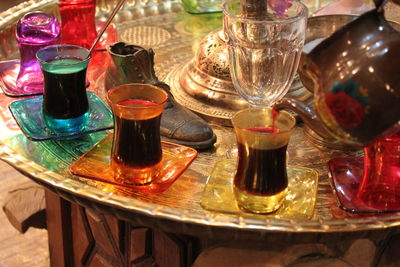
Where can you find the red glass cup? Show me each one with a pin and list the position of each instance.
(380, 186)
(136, 150)
(78, 22)
(261, 181)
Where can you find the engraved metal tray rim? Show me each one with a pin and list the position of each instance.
(74, 189)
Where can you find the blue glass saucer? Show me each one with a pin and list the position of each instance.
(29, 117)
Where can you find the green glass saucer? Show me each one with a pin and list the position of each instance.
(299, 203)
(56, 155)
(29, 117)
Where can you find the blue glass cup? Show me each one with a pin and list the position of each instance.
(65, 103)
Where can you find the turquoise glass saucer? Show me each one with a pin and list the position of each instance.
(29, 117)
(299, 203)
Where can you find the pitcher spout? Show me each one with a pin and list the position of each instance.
(306, 113)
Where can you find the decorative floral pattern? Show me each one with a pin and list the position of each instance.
(347, 103)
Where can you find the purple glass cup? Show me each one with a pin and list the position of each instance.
(35, 30)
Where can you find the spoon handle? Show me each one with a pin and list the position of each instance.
(110, 18)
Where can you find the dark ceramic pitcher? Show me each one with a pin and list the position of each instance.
(355, 77)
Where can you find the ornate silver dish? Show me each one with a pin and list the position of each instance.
(172, 33)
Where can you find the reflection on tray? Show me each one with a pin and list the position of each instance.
(95, 165)
(298, 205)
(29, 116)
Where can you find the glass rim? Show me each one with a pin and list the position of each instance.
(258, 109)
(37, 12)
(84, 60)
(131, 85)
(299, 16)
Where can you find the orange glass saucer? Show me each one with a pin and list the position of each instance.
(95, 164)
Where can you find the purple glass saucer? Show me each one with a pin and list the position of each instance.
(8, 76)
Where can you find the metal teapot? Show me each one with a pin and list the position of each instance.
(355, 77)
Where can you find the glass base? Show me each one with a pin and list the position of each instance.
(134, 176)
(9, 71)
(259, 204)
(66, 126)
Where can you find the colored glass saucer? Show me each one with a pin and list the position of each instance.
(8, 76)
(29, 117)
(95, 164)
(299, 203)
(9, 71)
(346, 174)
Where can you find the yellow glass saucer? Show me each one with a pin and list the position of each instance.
(298, 205)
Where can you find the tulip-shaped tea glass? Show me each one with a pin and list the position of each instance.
(78, 22)
(262, 136)
(65, 103)
(380, 186)
(136, 149)
(370, 183)
(264, 49)
(35, 30)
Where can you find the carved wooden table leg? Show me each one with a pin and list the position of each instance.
(59, 230)
(84, 237)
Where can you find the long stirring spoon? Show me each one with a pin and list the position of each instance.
(110, 18)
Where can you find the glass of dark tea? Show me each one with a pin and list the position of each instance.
(65, 103)
(136, 150)
(262, 136)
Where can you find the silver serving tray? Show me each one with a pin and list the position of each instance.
(173, 34)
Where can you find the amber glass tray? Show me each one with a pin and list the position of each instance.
(173, 34)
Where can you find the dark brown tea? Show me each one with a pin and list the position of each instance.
(138, 142)
(65, 89)
(261, 172)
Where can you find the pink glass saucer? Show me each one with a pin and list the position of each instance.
(8, 76)
(95, 164)
(346, 174)
(9, 69)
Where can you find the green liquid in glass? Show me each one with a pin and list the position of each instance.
(65, 65)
